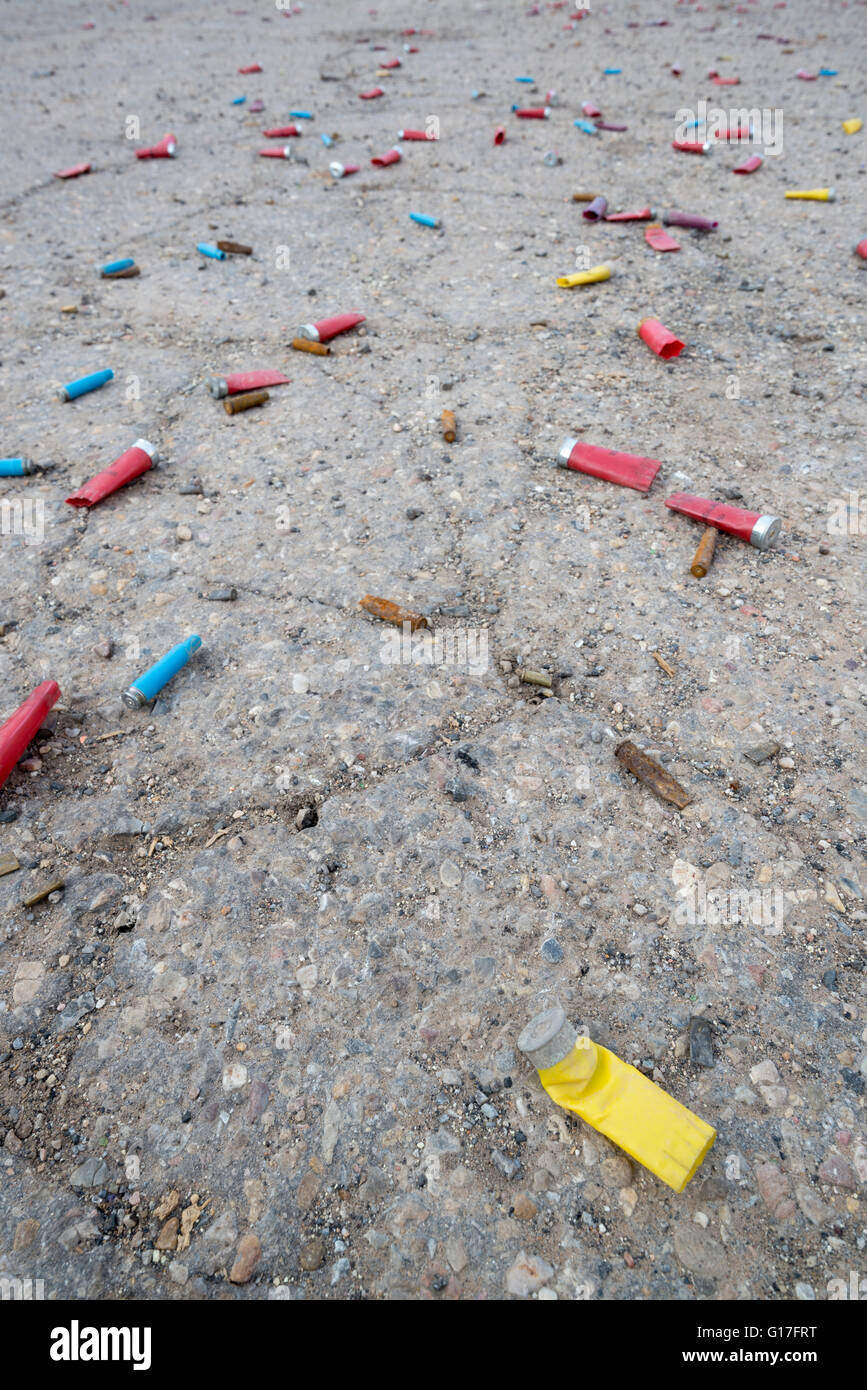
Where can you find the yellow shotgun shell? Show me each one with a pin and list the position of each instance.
(616, 1099)
(852, 126)
(815, 195)
(585, 277)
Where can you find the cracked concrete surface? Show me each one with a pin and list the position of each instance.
(263, 1044)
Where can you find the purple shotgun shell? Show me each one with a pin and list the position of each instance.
(673, 218)
(595, 211)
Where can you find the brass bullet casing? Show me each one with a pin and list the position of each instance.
(449, 427)
(34, 898)
(234, 248)
(8, 864)
(127, 274)
(703, 558)
(392, 612)
(308, 345)
(233, 404)
(536, 678)
(648, 771)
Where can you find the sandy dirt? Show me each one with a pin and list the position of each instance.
(263, 1044)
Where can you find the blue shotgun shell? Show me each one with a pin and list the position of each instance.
(15, 468)
(326, 140)
(213, 251)
(112, 267)
(611, 72)
(301, 115)
(525, 79)
(828, 72)
(238, 101)
(587, 126)
(84, 384)
(149, 685)
(423, 219)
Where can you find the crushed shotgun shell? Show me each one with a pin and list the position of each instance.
(389, 612)
(659, 339)
(651, 773)
(594, 276)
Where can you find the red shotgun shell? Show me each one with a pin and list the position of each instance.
(253, 67)
(533, 113)
(392, 63)
(739, 132)
(74, 172)
(659, 240)
(750, 165)
(415, 135)
(374, 92)
(595, 211)
(238, 382)
(629, 470)
(690, 146)
(164, 150)
(659, 340)
(761, 530)
(645, 215)
(394, 156)
(861, 250)
(342, 171)
(326, 329)
(281, 132)
(590, 110)
(23, 726)
(276, 152)
(500, 135)
(131, 464)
